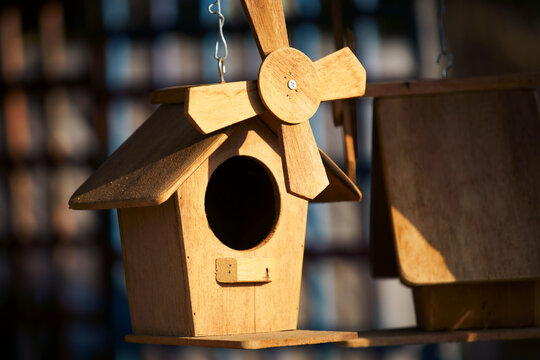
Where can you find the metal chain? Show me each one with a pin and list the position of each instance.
(442, 42)
(220, 37)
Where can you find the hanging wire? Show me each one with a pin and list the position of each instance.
(442, 42)
(220, 38)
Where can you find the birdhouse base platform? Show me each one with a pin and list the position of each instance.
(411, 336)
(249, 341)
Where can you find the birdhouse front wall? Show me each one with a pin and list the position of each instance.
(217, 308)
(171, 252)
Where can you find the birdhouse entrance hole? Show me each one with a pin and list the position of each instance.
(242, 202)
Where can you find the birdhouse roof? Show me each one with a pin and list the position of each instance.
(160, 155)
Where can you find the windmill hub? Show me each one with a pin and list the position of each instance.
(289, 85)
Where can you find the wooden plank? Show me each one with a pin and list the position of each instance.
(463, 184)
(213, 107)
(267, 22)
(170, 95)
(149, 167)
(244, 270)
(478, 305)
(351, 115)
(432, 87)
(411, 336)
(305, 173)
(341, 76)
(249, 341)
(220, 309)
(155, 270)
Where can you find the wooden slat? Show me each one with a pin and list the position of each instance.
(305, 174)
(349, 138)
(220, 309)
(148, 168)
(425, 87)
(213, 107)
(341, 76)
(267, 22)
(463, 184)
(344, 112)
(410, 336)
(352, 113)
(249, 341)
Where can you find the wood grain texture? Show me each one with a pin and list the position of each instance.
(410, 336)
(155, 273)
(267, 22)
(305, 173)
(341, 188)
(170, 95)
(463, 183)
(243, 270)
(220, 309)
(213, 107)
(424, 87)
(341, 75)
(291, 106)
(149, 167)
(249, 341)
(476, 306)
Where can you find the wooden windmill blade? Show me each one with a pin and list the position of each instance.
(289, 90)
(213, 107)
(304, 170)
(267, 22)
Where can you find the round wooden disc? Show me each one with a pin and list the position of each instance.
(290, 101)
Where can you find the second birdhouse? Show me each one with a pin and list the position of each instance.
(456, 199)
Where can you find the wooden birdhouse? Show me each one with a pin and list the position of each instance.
(212, 192)
(212, 240)
(456, 199)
